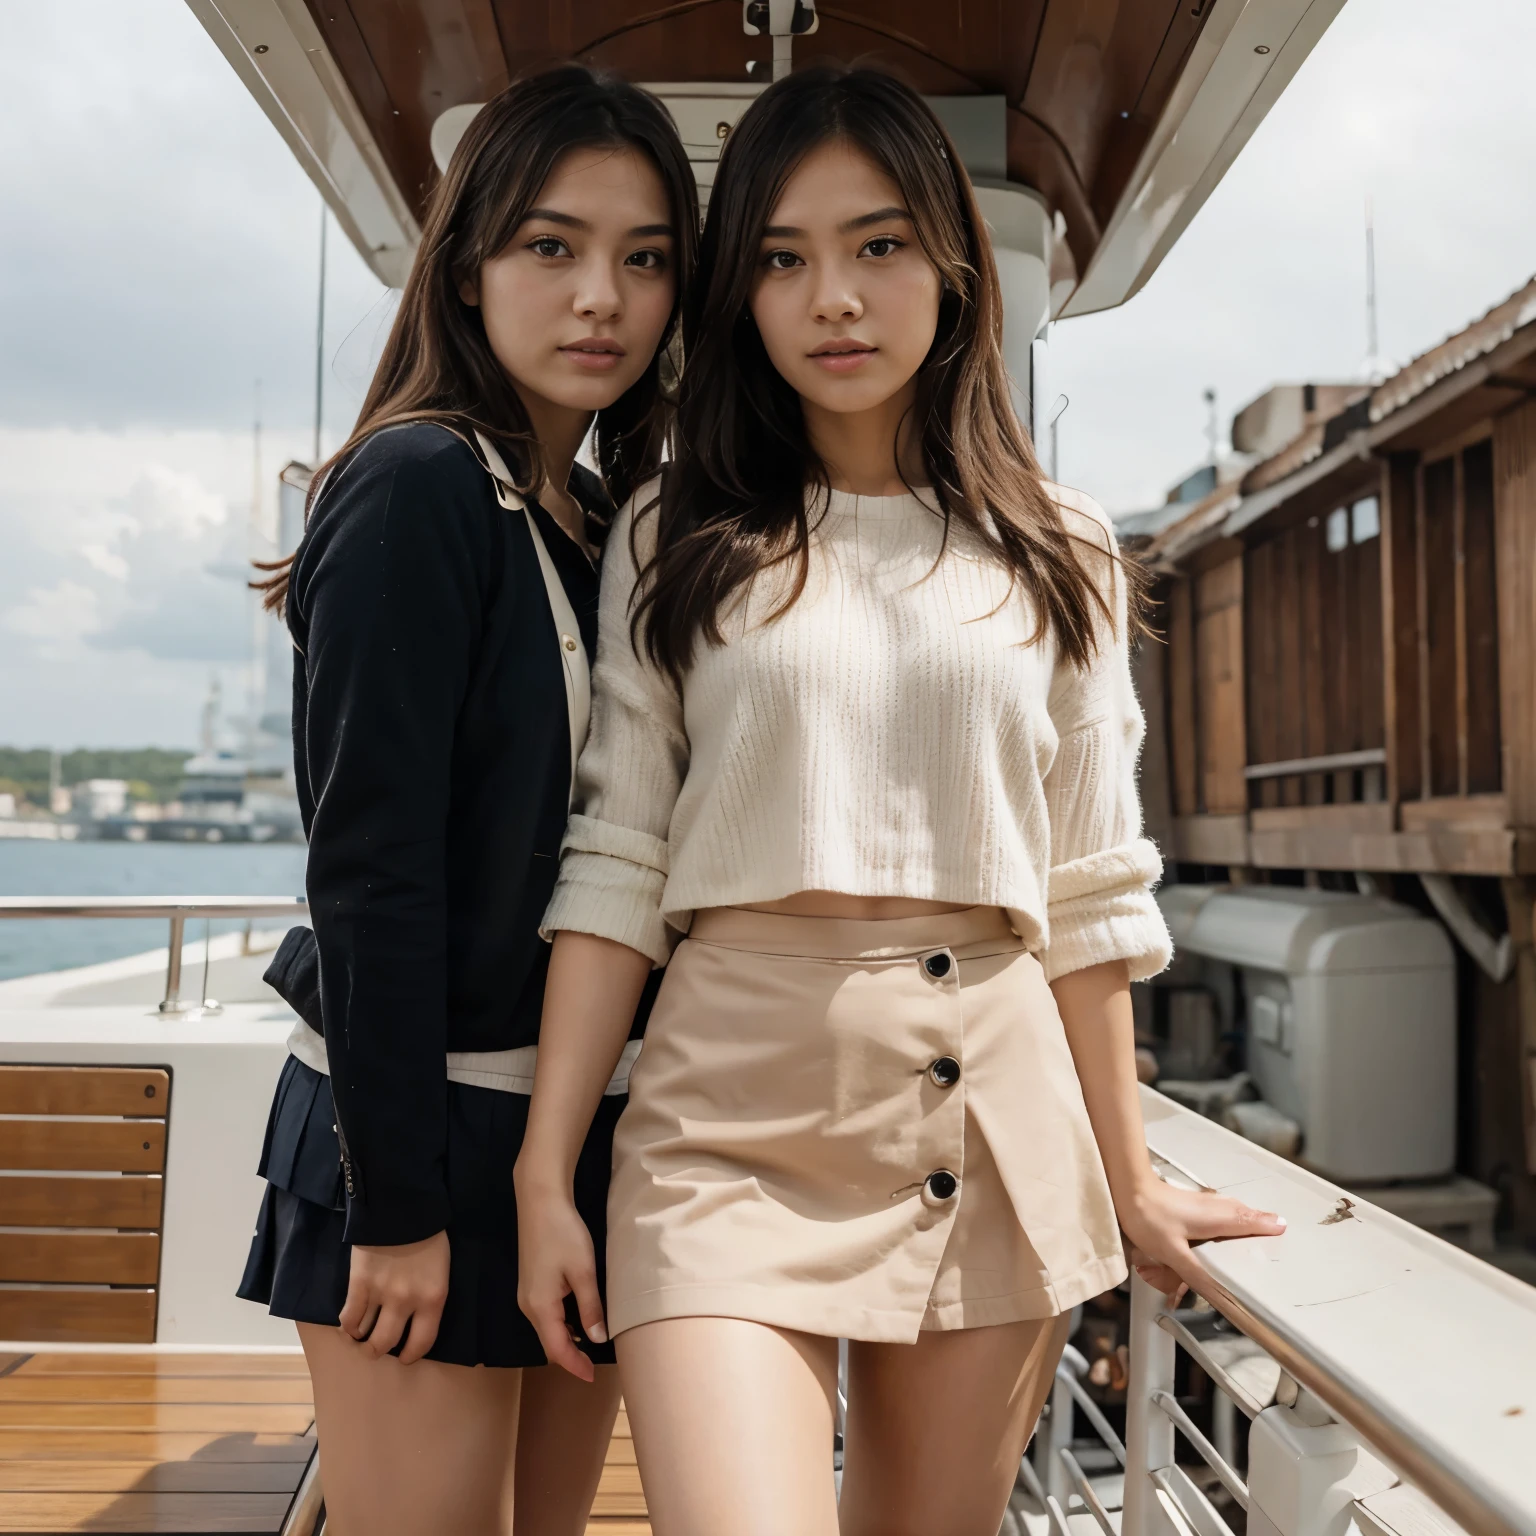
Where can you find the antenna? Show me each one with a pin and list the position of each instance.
(1212, 428)
(1373, 369)
(320, 336)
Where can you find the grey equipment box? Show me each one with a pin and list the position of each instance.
(1351, 1028)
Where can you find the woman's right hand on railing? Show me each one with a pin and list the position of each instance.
(555, 1259)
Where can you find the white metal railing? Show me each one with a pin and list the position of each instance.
(1389, 1379)
(176, 909)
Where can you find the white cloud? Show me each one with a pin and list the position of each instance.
(107, 561)
(57, 618)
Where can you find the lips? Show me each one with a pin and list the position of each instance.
(843, 356)
(594, 354)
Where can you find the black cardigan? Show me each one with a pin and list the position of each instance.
(432, 752)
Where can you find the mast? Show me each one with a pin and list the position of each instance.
(320, 339)
(1373, 369)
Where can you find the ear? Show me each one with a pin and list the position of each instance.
(469, 292)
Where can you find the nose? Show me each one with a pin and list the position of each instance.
(598, 295)
(836, 295)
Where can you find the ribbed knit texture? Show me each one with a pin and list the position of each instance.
(892, 734)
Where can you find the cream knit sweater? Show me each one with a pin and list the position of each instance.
(892, 734)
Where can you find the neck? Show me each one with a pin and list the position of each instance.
(867, 453)
(561, 431)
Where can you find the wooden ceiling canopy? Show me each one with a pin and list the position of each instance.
(1085, 80)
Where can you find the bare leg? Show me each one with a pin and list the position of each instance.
(733, 1426)
(936, 1429)
(411, 1450)
(562, 1437)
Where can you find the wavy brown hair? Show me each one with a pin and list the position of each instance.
(735, 503)
(437, 364)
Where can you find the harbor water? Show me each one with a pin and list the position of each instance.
(128, 869)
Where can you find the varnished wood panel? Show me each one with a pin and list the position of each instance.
(1514, 450)
(1085, 85)
(1259, 640)
(168, 1477)
(30, 1442)
(117, 1146)
(167, 1367)
(201, 1514)
(1183, 738)
(40, 1387)
(122, 1316)
(218, 1418)
(84, 1091)
(1399, 625)
(103, 1258)
(131, 1201)
(1219, 675)
(1481, 621)
(1438, 644)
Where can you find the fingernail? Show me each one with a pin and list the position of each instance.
(1280, 1220)
(597, 1333)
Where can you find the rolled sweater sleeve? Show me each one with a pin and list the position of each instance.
(1099, 898)
(388, 602)
(614, 860)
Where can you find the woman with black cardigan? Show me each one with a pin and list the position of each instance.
(443, 606)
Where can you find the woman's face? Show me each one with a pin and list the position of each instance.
(846, 300)
(576, 303)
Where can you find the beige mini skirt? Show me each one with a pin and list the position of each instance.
(856, 1129)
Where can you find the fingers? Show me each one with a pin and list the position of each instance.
(425, 1322)
(590, 1307)
(1220, 1216)
(359, 1311)
(385, 1333)
(548, 1319)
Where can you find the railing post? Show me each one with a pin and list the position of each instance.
(1148, 1433)
(172, 1002)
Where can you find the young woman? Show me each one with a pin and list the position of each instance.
(863, 731)
(443, 605)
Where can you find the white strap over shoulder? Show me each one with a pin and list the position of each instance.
(573, 655)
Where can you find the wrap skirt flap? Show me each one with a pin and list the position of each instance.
(796, 1152)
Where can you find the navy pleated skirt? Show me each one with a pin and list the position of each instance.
(298, 1264)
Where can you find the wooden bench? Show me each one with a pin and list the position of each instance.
(82, 1164)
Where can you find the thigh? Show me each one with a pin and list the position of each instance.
(563, 1430)
(411, 1450)
(733, 1426)
(936, 1429)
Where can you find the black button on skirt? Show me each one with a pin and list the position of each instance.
(298, 1264)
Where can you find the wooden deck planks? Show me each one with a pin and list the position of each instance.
(146, 1443)
(141, 1443)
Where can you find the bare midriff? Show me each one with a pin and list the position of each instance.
(859, 908)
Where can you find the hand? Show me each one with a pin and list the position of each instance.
(1162, 1222)
(394, 1289)
(555, 1260)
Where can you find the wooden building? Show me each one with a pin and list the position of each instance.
(1348, 684)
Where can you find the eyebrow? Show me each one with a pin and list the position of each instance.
(570, 221)
(847, 227)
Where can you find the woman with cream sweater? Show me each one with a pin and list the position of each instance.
(862, 775)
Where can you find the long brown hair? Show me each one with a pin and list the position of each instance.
(735, 502)
(437, 364)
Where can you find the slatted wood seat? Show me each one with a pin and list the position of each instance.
(82, 1164)
(140, 1443)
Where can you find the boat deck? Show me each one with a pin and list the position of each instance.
(191, 1443)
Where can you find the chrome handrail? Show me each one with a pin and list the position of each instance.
(175, 908)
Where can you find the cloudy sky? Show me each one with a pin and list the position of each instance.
(158, 257)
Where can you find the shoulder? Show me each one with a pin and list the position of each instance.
(413, 496)
(1082, 516)
(415, 451)
(638, 518)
